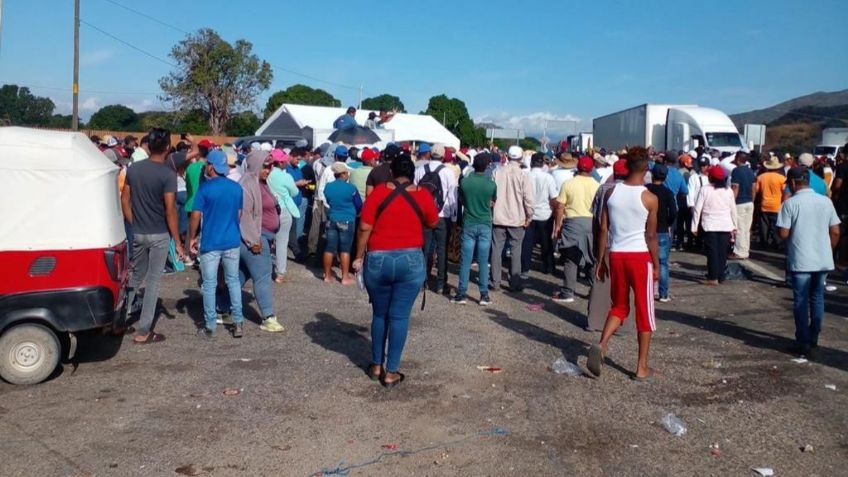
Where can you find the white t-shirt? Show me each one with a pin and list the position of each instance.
(543, 190)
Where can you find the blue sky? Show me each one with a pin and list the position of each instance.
(511, 62)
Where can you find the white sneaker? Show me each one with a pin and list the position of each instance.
(665, 300)
(830, 288)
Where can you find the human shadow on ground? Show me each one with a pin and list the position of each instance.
(340, 337)
(192, 306)
(830, 357)
(571, 348)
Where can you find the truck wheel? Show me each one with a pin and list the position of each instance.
(28, 354)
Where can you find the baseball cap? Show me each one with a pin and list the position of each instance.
(585, 164)
(424, 148)
(438, 151)
(797, 173)
(338, 167)
(279, 156)
(218, 161)
(619, 169)
(515, 153)
(806, 159)
(659, 172)
(717, 174)
(368, 155)
(341, 151)
(391, 151)
(704, 161)
(265, 146)
(205, 143)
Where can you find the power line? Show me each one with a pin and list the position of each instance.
(127, 43)
(57, 88)
(166, 24)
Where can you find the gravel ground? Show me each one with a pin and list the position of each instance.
(305, 406)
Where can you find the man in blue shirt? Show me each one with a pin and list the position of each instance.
(675, 182)
(808, 223)
(346, 120)
(344, 202)
(218, 202)
(816, 183)
(743, 181)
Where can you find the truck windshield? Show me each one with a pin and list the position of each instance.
(824, 151)
(723, 139)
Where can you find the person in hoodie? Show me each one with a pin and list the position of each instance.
(258, 223)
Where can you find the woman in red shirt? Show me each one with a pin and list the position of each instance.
(391, 225)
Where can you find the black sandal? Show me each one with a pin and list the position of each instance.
(374, 376)
(389, 385)
(151, 338)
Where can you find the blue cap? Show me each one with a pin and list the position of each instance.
(218, 160)
(341, 151)
(424, 148)
(659, 172)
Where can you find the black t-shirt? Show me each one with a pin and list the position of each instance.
(667, 211)
(308, 174)
(841, 172)
(149, 181)
(381, 174)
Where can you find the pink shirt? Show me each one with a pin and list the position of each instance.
(715, 210)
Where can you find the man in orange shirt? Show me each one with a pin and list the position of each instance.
(770, 186)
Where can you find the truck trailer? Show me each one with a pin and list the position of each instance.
(667, 127)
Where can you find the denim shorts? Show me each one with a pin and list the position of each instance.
(339, 237)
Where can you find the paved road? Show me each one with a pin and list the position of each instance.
(305, 405)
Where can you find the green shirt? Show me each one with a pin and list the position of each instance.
(477, 193)
(358, 177)
(192, 179)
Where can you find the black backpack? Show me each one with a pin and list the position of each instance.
(433, 183)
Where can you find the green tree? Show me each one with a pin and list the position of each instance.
(453, 114)
(384, 101)
(115, 117)
(300, 94)
(61, 121)
(19, 107)
(216, 77)
(193, 121)
(244, 123)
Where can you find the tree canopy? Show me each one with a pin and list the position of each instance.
(215, 77)
(454, 115)
(115, 117)
(19, 107)
(384, 101)
(244, 123)
(300, 94)
(192, 121)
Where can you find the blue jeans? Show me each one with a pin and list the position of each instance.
(479, 236)
(664, 242)
(808, 306)
(339, 237)
(393, 279)
(182, 215)
(209, 272)
(257, 267)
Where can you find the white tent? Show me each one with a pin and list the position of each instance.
(403, 127)
(57, 192)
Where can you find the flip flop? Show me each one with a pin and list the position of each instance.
(596, 360)
(645, 379)
(151, 338)
(393, 383)
(372, 375)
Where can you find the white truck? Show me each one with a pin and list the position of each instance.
(580, 143)
(667, 127)
(833, 142)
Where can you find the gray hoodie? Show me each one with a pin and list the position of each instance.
(251, 214)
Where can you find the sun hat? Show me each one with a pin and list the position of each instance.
(772, 163)
(566, 161)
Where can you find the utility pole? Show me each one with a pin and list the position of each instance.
(1, 23)
(75, 111)
(360, 97)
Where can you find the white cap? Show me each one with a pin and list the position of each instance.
(806, 159)
(254, 146)
(266, 146)
(515, 153)
(301, 143)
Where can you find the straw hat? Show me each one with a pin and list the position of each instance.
(566, 161)
(772, 163)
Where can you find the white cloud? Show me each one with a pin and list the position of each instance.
(534, 123)
(89, 104)
(96, 57)
(142, 106)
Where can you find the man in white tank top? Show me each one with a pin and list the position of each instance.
(629, 219)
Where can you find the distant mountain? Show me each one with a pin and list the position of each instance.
(767, 115)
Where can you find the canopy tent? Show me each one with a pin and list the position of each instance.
(402, 128)
(57, 192)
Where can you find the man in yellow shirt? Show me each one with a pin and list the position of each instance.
(575, 234)
(770, 185)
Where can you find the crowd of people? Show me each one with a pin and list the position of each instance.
(392, 215)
